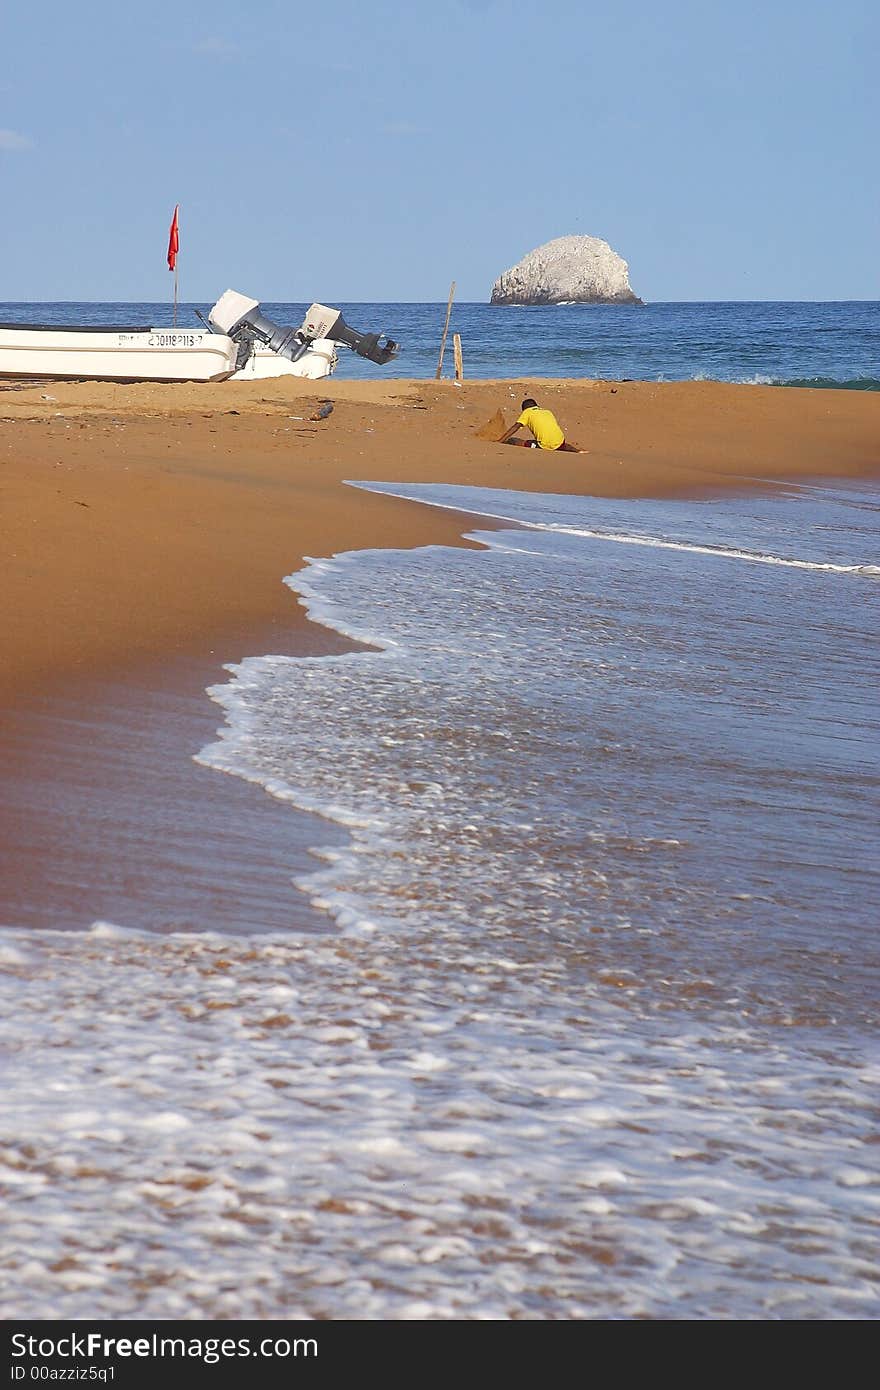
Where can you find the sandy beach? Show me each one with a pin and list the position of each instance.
(148, 521)
(557, 1008)
(148, 530)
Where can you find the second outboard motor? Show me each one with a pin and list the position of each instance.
(240, 319)
(364, 344)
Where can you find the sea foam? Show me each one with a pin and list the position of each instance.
(577, 1041)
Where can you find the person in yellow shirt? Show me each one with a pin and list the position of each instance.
(544, 428)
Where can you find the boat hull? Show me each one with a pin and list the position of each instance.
(319, 361)
(154, 354)
(148, 354)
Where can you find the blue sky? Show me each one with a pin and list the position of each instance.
(369, 151)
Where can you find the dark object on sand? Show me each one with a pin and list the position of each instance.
(322, 414)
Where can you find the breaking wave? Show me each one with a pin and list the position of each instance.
(830, 383)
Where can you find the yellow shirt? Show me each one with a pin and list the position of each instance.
(544, 426)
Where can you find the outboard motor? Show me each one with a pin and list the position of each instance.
(240, 319)
(367, 345)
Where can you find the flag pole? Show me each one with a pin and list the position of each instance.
(176, 253)
(173, 247)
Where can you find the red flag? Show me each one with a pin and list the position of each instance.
(173, 240)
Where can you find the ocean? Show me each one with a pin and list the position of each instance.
(796, 344)
(583, 1021)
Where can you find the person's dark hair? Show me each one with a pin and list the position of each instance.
(528, 403)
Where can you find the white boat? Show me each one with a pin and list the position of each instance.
(235, 342)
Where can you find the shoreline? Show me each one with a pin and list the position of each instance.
(149, 533)
(146, 521)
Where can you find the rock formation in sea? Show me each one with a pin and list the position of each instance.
(567, 270)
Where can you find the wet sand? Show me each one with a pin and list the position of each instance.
(147, 532)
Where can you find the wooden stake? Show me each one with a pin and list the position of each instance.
(456, 349)
(439, 371)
